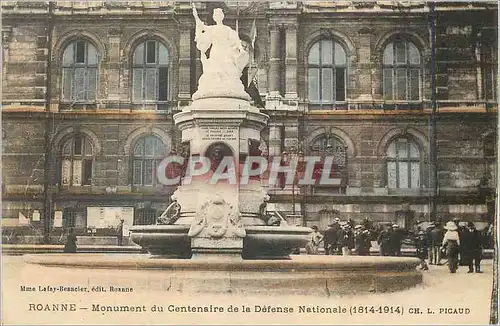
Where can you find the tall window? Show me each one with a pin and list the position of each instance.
(148, 152)
(490, 74)
(402, 72)
(403, 164)
(489, 154)
(327, 68)
(489, 145)
(76, 162)
(150, 72)
(79, 73)
(327, 146)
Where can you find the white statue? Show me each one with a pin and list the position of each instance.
(226, 60)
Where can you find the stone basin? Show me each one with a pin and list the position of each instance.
(273, 242)
(169, 241)
(261, 242)
(316, 275)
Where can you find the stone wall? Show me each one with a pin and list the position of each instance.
(25, 62)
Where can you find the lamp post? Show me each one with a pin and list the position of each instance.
(298, 172)
(286, 159)
(47, 195)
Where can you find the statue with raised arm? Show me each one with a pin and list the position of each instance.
(222, 56)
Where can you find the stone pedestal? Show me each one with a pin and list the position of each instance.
(217, 205)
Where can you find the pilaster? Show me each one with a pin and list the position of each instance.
(185, 60)
(274, 140)
(274, 61)
(291, 61)
(113, 80)
(364, 70)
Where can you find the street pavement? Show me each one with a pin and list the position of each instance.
(443, 298)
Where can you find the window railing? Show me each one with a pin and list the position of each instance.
(371, 105)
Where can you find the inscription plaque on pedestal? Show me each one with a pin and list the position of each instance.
(226, 133)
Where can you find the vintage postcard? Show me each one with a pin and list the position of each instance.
(249, 162)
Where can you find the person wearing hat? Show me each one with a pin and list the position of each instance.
(396, 238)
(367, 223)
(346, 240)
(460, 229)
(362, 241)
(421, 245)
(331, 237)
(70, 246)
(417, 226)
(472, 247)
(119, 232)
(313, 245)
(435, 240)
(384, 241)
(451, 242)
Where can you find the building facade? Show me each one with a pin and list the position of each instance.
(403, 95)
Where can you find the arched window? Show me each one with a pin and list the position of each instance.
(150, 72)
(327, 66)
(402, 72)
(148, 152)
(403, 164)
(76, 161)
(79, 72)
(330, 146)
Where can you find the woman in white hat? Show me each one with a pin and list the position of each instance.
(451, 241)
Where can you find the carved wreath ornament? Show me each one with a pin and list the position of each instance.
(171, 214)
(216, 218)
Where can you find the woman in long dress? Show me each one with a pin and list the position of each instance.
(451, 242)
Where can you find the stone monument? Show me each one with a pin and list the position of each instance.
(213, 215)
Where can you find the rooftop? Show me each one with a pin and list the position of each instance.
(130, 7)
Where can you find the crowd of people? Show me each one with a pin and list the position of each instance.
(342, 237)
(458, 243)
(455, 242)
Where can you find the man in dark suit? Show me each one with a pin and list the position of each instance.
(119, 232)
(460, 230)
(384, 241)
(396, 239)
(471, 247)
(435, 238)
(331, 238)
